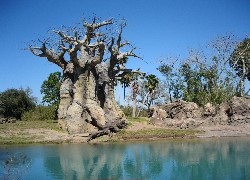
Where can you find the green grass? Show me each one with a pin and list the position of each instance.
(156, 133)
(137, 119)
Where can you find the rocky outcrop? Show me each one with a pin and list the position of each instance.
(7, 120)
(181, 114)
(239, 111)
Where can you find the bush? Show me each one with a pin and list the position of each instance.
(40, 113)
(128, 111)
(14, 102)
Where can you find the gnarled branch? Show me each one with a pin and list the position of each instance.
(50, 54)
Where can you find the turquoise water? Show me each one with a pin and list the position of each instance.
(227, 158)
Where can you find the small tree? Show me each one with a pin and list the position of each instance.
(132, 79)
(13, 102)
(51, 90)
(148, 91)
(172, 80)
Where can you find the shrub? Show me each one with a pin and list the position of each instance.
(14, 102)
(40, 113)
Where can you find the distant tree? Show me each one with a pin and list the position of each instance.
(172, 80)
(205, 82)
(14, 102)
(51, 90)
(202, 77)
(132, 79)
(240, 62)
(148, 90)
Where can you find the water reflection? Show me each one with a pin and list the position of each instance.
(202, 159)
(86, 161)
(210, 159)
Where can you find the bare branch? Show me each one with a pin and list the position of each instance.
(124, 44)
(64, 36)
(126, 54)
(118, 42)
(93, 26)
(99, 55)
(56, 58)
(111, 45)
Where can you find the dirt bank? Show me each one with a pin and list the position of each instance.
(138, 129)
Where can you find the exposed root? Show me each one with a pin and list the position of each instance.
(111, 127)
(108, 129)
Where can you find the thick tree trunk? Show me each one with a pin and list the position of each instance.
(87, 89)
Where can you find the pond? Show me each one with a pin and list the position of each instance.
(224, 158)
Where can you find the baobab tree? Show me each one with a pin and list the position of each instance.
(91, 59)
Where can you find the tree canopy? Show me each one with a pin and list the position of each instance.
(51, 89)
(14, 102)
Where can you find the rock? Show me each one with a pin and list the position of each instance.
(183, 124)
(239, 111)
(11, 120)
(3, 120)
(209, 110)
(7, 120)
(185, 115)
(181, 109)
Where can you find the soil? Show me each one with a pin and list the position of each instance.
(225, 131)
(46, 135)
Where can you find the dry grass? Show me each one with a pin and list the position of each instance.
(18, 133)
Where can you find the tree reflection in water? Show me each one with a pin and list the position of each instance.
(202, 159)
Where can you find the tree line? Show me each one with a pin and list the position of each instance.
(210, 75)
(213, 74)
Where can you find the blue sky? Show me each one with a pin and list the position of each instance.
(158, 28)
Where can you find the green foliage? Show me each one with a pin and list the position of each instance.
(240, 62)
(40, 113)
(51, 89)
(147, 92)
(151, 83)
(240, 58)
(199, 82)
(14, 102)
(202, 85)
(128, 111)
(172, 79)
